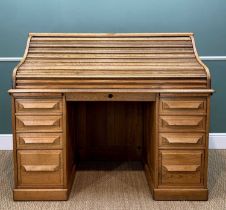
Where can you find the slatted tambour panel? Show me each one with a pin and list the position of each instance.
(111, 61)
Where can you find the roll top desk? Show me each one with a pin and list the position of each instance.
(116, 96)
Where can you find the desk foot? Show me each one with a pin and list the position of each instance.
(40, 194)
(180, 194)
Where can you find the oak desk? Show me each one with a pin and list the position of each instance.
(133, 96)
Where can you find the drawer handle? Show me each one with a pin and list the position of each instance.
(40, 168)
(183, 104)
(41, 140)
(183, 122)
(39, 122)
(181, 168)
(182, 140)
(49, 105)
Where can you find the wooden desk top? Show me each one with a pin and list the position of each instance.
(160, 61)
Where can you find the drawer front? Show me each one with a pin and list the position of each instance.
(181, 123)
(182, 105)
(111, 96)
(40, 168)
(38, 106)
(39, 140)
(38, 123)
(180, 168)
(182, 139)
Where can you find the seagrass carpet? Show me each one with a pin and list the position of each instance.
(116, 186)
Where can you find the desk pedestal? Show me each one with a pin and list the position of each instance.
(54, 131)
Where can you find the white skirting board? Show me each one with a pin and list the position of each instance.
(216, 141)
(6, 141)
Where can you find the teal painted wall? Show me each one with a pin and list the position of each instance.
(206, 18)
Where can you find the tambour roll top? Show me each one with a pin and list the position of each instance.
(138, 61)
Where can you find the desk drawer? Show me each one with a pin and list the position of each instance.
(182, 139)
(39, 140)
(40, 168)
(42, 106)
(38, 123)
(182, 105)
(181, 167)
(110, 96)
(182, 123)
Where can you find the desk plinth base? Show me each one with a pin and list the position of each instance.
(63, 194)
(180, 194)
(41, 194)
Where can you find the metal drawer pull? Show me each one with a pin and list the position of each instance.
(40, 168)
(181, 168)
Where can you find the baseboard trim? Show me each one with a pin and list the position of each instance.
(6, 141)
(216, 141)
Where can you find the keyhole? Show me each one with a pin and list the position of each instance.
(110, 96)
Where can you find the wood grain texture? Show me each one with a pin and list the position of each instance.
(182, 123)
(40, 168)
(67, 59)
(111, 96)
(40, 194)
(38, 106)
(35, 92)
(39, 140)
(182, 147)
(183, 106)
(178, 140)
(39, 123)
(180, 194)
(117, 133)
(181, 168)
